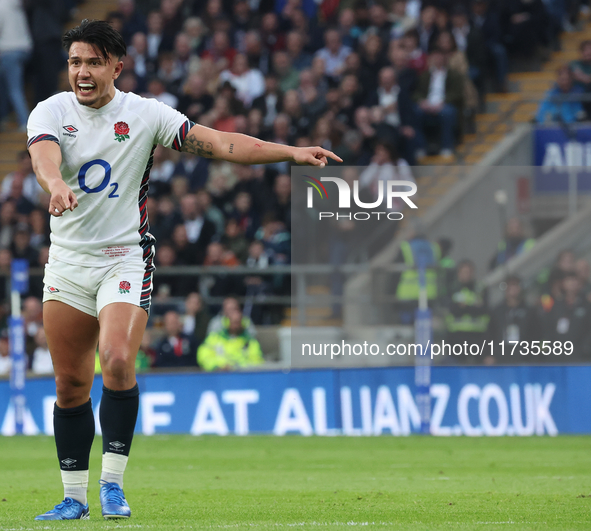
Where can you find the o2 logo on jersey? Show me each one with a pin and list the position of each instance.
(105, 182)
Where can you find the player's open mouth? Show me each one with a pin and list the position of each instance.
(86, 88)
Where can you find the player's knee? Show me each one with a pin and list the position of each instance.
(117, 364)
(71, 390)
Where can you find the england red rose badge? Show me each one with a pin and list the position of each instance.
(124, 286)
(121, 131)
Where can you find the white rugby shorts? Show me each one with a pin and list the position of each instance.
(90, 288)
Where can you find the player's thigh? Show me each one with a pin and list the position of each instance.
(122, 327)
(72, 337)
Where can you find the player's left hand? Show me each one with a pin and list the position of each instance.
(314, 156)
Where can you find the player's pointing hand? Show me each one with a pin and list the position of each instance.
(314, 156)
(62, 199)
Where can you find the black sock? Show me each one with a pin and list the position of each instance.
(118, 414)
(74, 432)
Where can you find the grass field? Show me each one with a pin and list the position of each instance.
(183, 482)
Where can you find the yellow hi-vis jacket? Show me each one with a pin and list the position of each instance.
(220, 350)
(408, 286)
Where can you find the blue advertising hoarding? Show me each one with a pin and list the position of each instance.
(470, 401)
(555, 150)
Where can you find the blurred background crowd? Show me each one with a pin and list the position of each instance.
(380, 83)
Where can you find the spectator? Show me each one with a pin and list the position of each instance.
(440, 97)
(395, 102)
(157, 90)
(248, 82)
(466, 317)
(456, 59)
(512, 320)
(292, 108)
(15, 47)
(552, 109)
(470, 41)
(417, 57)
(161, 172)
(273, 39)
(221, 52)
(281, 201)
(311, 95)
(514, 243)
(524, 26)
(196, 31)
(233, 239)
(583, 271)
(230, 348)
(23, 206)
(372, 61)
(221, 116)
(146, 355)
(220, 284)
(230, 305)
(269, 103)
(569, 319)
(195, 100)
(385, 166)
(427, 29)
(42, 363)
(171, 17)
(186, 253)
(8, 221)
(487, 20)
(5, 360)
(581, 68)
(401, 21)
(196, 318)
(258, 57)
(185, 61)
(348, 29)
(133, 22)
(276, 239)
(21, 245)
(175, 349)
(156, 40)
(39, 229)
(168, 285)
(259, 286)
(23, 173)
(144, 67)
(46, 21)
(287, 76)
(200, 230)
(300, 59)
(212, 213)
(334, 53)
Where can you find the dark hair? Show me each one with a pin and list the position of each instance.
(99, 34)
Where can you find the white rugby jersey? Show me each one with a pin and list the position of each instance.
(107, 154)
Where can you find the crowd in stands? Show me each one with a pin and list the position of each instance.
(378, 82)
(569, 100)
(554, 308)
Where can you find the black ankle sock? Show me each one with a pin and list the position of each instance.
(118, 415)
(74, 432)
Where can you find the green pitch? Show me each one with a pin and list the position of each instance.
(183, 482)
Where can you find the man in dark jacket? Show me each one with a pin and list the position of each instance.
(175, 349)
(512, 320)
(440, 100)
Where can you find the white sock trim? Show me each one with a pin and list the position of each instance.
(113, 463)
(75, 484)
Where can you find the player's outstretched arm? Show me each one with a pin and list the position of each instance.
(244, 149)
(46, 157)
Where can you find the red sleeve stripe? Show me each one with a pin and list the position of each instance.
(181, 135)
(39, 138)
